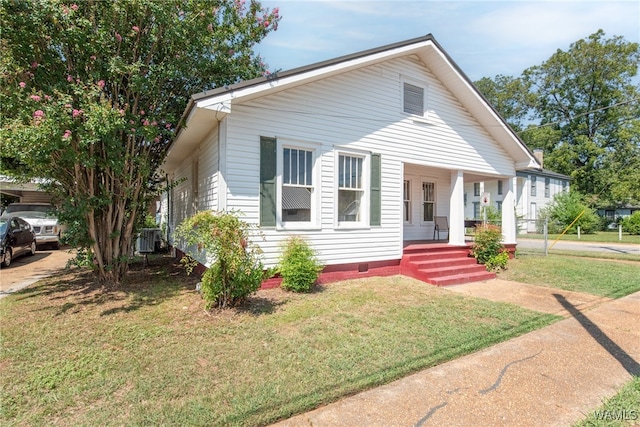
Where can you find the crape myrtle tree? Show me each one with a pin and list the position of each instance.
(92, 94)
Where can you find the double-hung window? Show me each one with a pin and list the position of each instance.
(547, 187)
(428, 201)
(534, 186)
(297, 185)
(351, 188)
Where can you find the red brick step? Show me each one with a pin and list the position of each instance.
(442, 264)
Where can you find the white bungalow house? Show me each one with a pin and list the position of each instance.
(359, 154)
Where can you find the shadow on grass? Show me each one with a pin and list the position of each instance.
(258, 306)
(144, 285)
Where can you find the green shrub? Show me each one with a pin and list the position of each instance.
(498, 262)
(487, 243)
(631, 224)
(563, 211)
(236, 271)
(298, 266)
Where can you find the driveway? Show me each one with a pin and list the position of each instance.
(26, 270)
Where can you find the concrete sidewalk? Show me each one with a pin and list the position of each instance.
(550, 377)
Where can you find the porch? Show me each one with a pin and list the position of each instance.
(437, 204)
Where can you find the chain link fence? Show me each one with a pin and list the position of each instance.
(533, 235)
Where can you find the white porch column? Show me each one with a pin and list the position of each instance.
(509, 213)
(456, 209)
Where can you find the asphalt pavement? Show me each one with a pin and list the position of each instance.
(607, 248)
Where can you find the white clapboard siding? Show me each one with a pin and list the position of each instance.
(208, 173)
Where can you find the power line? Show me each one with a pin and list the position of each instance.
(587, 113)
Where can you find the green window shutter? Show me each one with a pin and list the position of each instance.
(267, 182)
(375, 214)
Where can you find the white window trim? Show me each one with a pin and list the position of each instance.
(314, 223)
(424, 118)
(363, 224)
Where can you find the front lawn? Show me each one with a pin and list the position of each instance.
(148, 354)
(608, 278)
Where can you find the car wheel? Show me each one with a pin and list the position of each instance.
(56, 245)
(6, 261)
(32, 249)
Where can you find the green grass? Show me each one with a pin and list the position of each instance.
(600, 236)
(609, 278)
(623, 409)
(148, 354)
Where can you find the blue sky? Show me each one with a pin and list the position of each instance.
(484, 38)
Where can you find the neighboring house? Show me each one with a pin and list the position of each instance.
(614, 214)
(358, 154)
(14, 192)
(535, 189)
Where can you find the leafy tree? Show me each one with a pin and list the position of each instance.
(92, 94)
(582, 108)
(587, 95)
(510, 96)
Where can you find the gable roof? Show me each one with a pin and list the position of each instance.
(206, 108)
